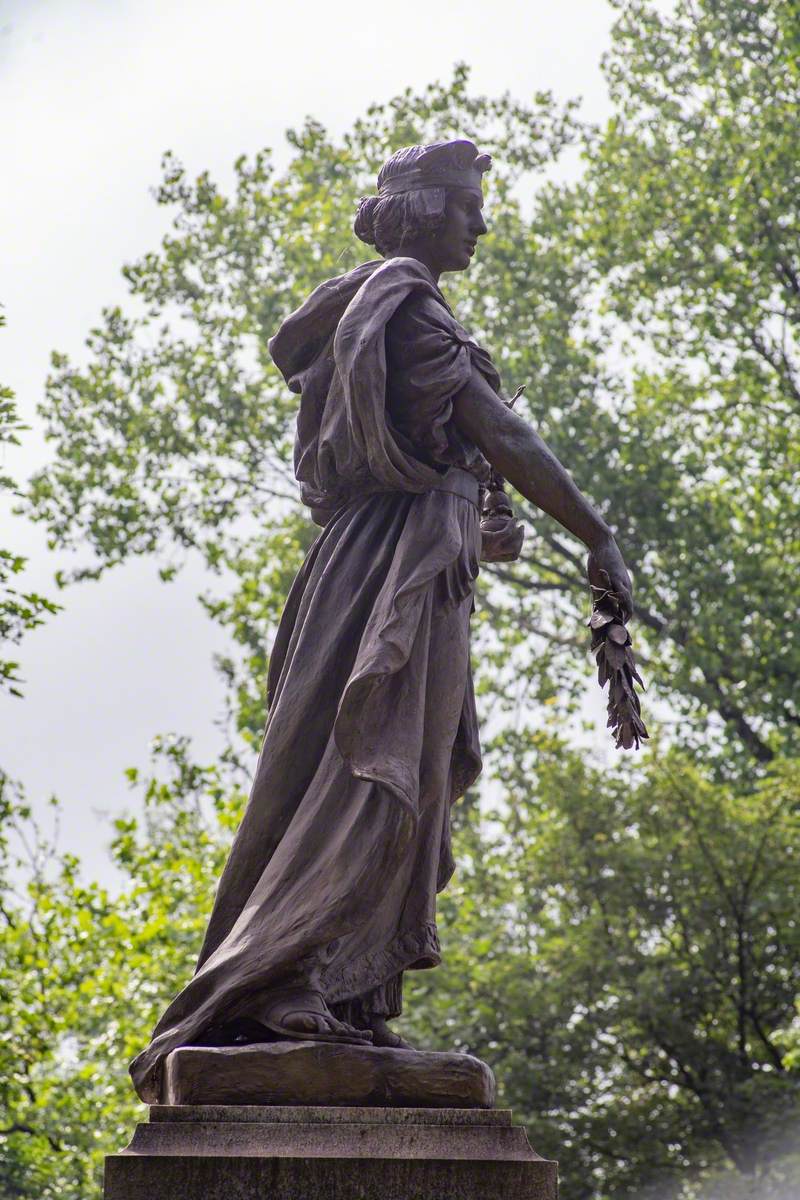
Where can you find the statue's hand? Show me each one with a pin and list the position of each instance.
(501, 539)
(606, 570)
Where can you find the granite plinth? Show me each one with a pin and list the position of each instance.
(324, 1073)
(258, 1152)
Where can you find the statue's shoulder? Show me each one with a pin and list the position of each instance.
(402, 267)
(402, 285)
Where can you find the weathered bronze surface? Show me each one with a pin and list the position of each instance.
(403, 437)
(326, 1074)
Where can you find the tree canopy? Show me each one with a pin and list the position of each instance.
(621, 943)
(19, 610)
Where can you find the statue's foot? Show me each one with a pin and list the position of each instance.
(301, 1015)
(382, 1035)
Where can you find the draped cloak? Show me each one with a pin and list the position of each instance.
(372, 731)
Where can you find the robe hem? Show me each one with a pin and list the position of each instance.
(408, 951)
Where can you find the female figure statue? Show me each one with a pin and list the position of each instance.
(329, 893)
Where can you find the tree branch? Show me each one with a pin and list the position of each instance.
(21, 1127)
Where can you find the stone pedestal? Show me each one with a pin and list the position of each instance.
(268, 1152)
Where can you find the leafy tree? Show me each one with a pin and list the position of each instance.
(86, 973)
(19, 611)
(177, 435)
(621, 946)
(178, 432)
(691, 217)
(625, 953)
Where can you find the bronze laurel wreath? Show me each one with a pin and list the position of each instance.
(616, 665)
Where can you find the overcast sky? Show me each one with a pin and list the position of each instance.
(92, 92)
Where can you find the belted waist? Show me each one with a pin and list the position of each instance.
(456, 481)
(460, 483)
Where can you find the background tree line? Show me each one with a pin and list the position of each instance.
(621, 941)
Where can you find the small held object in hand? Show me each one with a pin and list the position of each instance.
(501, 535)
(611, 644)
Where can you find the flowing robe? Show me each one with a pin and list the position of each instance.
(372, 733)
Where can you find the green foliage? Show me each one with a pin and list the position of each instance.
(19, 611)
(624, 952)
(86, 973)
(691, 219)
(789, 1038)
(180, 426)
(621, 945)
(177, 434)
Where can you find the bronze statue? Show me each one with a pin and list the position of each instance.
(329, 894)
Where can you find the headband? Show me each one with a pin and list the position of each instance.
(414, 180)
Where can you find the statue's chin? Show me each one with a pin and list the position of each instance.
(461, 263)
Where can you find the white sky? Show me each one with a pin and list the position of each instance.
(91, 94)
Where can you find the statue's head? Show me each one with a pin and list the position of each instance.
(428, 204)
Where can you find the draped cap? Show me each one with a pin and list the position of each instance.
(454, 164)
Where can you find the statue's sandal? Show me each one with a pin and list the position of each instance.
(295, 1001)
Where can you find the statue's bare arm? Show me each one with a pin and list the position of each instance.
(514, 449)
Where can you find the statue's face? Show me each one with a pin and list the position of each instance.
(454, 241)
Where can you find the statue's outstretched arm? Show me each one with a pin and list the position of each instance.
(514, 449)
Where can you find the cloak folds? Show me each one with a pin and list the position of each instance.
(372, 731)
